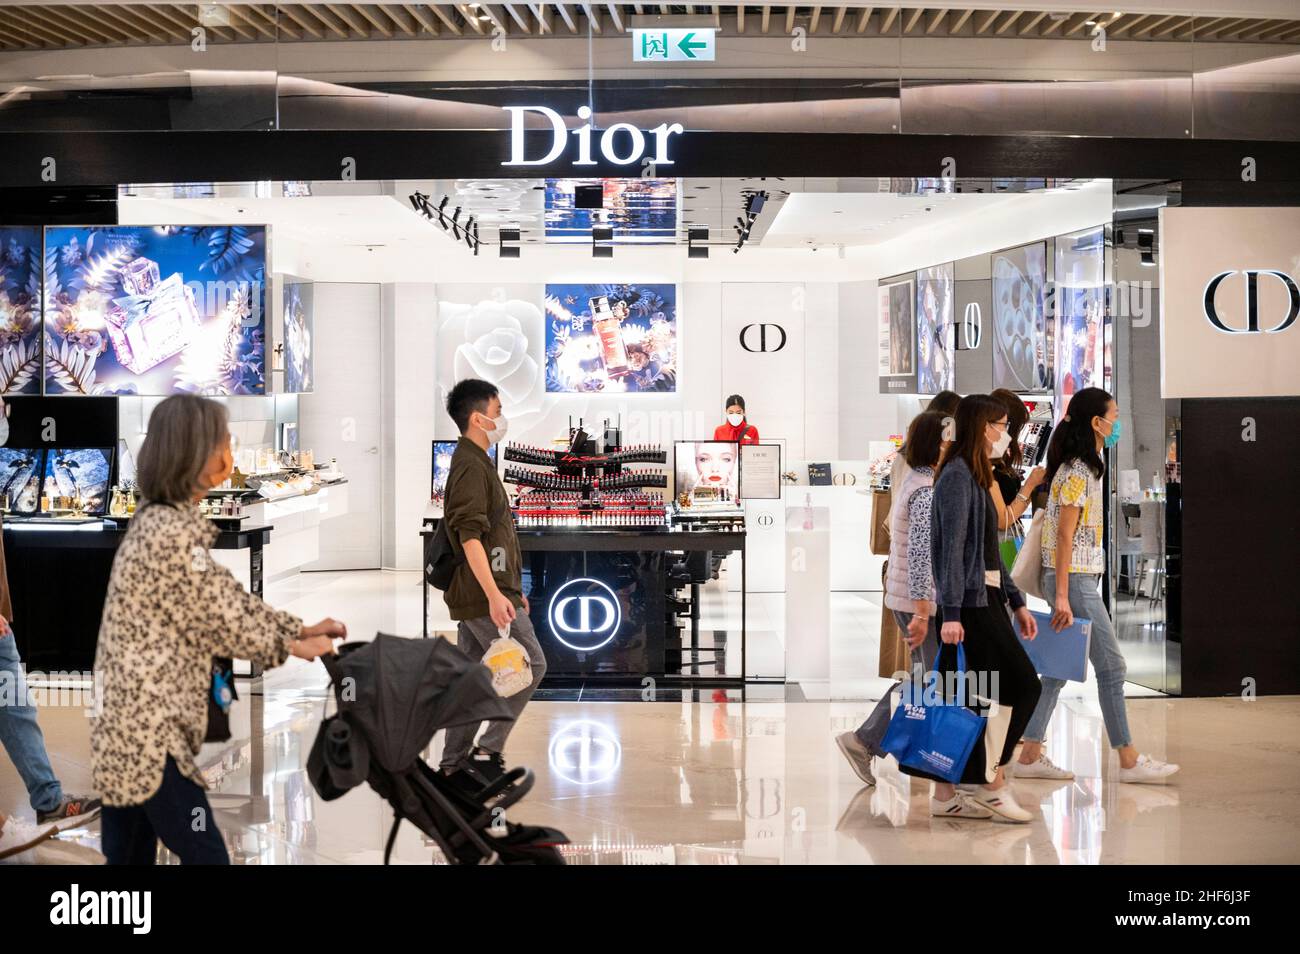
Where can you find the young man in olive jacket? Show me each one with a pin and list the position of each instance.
(486, 594)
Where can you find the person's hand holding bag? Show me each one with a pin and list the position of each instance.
(952, 632)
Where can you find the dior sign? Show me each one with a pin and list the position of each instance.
(584, 614)
(621, 144)
(1252, 301)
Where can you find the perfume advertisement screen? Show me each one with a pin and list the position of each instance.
(611, 338)
(81, 473)
(155, 310)
(713, 464)
(638, 210)
(298, 337)
(935, 353)
(1021, 339)
(896, 336)
(20, 310)
(442, 451)
(1080, 307)
(20, 479)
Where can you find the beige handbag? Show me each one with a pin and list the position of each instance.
(881, 501)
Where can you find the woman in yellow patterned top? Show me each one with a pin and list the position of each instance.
(1074, 559)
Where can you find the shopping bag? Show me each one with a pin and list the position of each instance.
(894, 655)
(1027, 570)
(512, 670)
(997, 723)
(930, 735)
(880, 504)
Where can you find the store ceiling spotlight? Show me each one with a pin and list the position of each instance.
(697, 251)
(508, 235)
(602, 235)
(589, 196)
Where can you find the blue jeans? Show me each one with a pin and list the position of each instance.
(20, 734)
(1103, 651)
(871, 732)
(172, 814)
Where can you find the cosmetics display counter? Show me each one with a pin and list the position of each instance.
(58, 577)
(613, 571)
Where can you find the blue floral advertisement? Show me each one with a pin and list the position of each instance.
(155, 310)
(611, 338)
(20, 310)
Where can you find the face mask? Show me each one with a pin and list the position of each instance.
(1000, 445)
(735, 419)
(1113, 437)
(498, 431)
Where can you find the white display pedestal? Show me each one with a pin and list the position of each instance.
(764, 549)
(808, 599)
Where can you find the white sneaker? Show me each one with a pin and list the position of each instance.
(1148, 771)
(1002, 804)
(961, 805)
(17, 837)
(1043, 767)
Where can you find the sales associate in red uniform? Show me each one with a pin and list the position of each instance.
(736, 428)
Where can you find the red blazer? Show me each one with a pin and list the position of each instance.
(747, 433)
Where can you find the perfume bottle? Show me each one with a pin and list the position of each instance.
(609, 332)
(807, 512)
(155, 321)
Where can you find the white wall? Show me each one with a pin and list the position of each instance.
(344, 418)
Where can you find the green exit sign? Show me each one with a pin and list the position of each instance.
(672, 44)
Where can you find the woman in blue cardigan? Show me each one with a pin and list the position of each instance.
(974, 590)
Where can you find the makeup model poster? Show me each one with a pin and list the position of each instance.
(1081, 315)
(896, 329)
(20, 310)
(611, 339)
(714, 464)
(1022, 359)
(935, 354)
(155, 310)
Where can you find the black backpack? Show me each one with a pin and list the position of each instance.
(440, 560)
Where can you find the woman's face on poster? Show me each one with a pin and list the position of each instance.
(714, 464)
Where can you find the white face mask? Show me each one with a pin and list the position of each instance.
(1000, 445)
(735, 419)
(498, 430)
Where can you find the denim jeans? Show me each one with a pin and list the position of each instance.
(20, 734)
(1103, 651)
(872, 731)
(172, 814)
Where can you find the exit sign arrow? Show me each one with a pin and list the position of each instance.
(688, 45)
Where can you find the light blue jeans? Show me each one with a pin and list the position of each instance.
(1103, 651)
(20, 734)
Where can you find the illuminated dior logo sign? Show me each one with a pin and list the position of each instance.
(621, 144)
(1252, 300)
(972, 327)
(584, 614)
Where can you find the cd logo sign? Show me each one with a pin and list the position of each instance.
(1252, 301)
(972, 327)
(584, 614)
(762, 337)
(844, 480)
(765, 520)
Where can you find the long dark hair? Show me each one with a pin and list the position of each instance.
(1074, 438)
(974, 414)
(1017, 417)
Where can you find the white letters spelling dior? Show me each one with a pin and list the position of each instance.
(608, 139)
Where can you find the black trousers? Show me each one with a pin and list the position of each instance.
(992, 646)
(178, 814)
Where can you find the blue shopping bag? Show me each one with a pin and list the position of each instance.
(930, 735)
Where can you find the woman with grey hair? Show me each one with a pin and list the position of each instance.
(169, 610)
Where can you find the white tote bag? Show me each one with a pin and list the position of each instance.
(1027, 574)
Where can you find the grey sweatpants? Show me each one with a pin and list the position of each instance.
(473, 636)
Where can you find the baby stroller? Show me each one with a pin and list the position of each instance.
(393, 694)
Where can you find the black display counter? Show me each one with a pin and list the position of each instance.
(613, 606)
(58, 579)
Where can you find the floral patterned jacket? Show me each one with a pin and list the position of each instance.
(170, 608)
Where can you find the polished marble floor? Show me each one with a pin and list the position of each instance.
(730, 781)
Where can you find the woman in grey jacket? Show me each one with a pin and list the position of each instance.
(973, 590)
